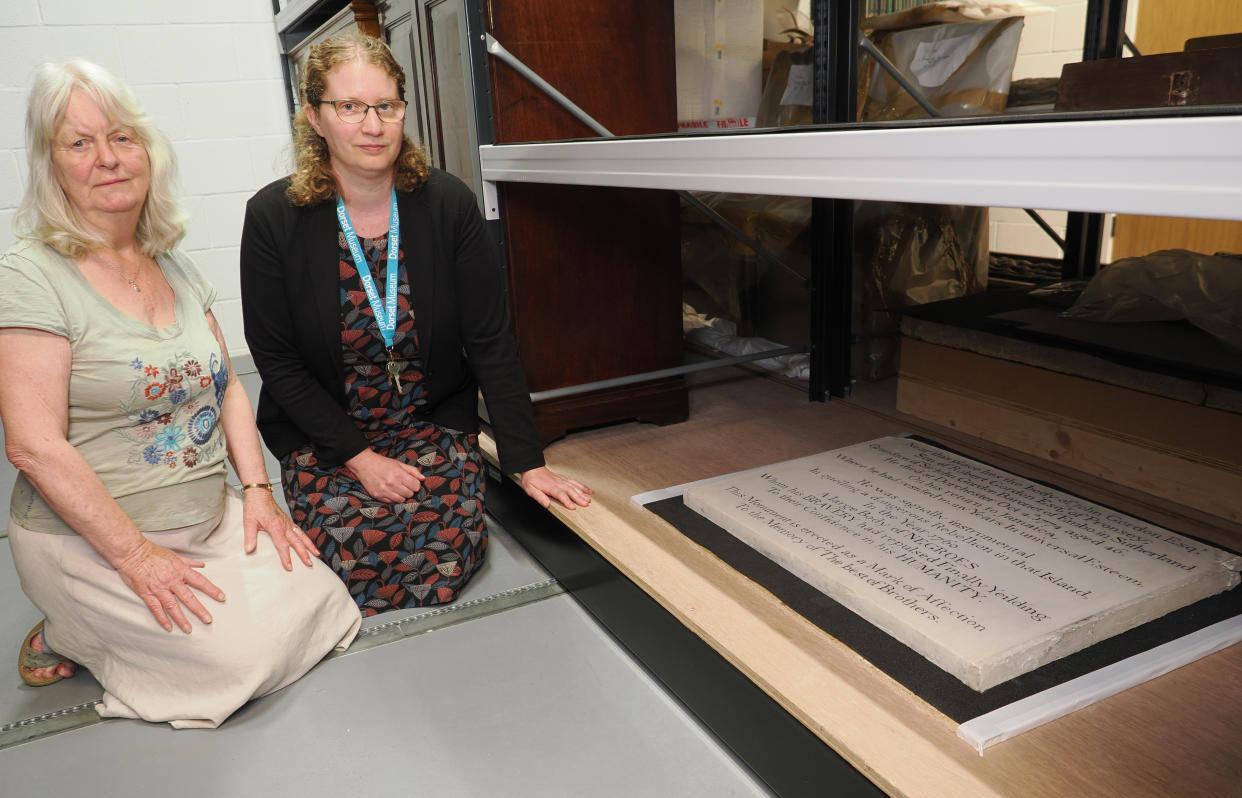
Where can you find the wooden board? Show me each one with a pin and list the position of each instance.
(1092, 451)
(1177, 735)
(1183, 452)
(1142, 235)
(1190, 431)
(1164, 26)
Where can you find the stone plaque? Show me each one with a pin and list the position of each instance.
(986, 574)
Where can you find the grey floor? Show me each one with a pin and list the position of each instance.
(511, 691)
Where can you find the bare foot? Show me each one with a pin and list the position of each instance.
(65, 668)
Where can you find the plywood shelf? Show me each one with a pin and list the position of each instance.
(1176, 735)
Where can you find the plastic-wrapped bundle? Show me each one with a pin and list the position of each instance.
(962, 69)
(1171, 284)
(910, 254)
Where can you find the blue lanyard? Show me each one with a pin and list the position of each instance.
(385, 310)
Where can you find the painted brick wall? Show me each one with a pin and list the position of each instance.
(208, 73)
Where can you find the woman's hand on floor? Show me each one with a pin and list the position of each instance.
(544, 485)
(383, 478)
(260, 511)
(163, 580)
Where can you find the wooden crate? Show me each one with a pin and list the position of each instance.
(1203, 77)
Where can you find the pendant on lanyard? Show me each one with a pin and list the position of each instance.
(385, 310)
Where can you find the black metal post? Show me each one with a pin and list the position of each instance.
(1106, 29)
(480, 76)
(1084, 232)
(480, 88)
(834, 61)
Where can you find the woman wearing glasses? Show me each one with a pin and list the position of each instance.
(374, 310)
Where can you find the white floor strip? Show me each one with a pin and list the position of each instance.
(1001, 724)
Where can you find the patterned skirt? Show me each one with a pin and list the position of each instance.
(407, 554)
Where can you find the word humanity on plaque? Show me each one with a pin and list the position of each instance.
(986, 574)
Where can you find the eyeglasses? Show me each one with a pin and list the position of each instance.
(354, 111)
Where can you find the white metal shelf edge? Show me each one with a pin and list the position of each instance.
(1188, 167)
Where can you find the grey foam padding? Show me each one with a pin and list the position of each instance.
(507, 566)
(535, 701)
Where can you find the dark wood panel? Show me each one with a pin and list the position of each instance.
(595, 281)
(1204, 77)
(1214, 42)
(586, 49)
(595, 273)
(657, 402)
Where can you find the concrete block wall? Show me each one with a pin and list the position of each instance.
(209, 74)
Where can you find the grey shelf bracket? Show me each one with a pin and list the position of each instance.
(676, 371)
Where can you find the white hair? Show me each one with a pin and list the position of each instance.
(45, 213)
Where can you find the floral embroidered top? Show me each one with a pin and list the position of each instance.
(144, 402)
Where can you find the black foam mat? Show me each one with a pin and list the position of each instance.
(935, 686)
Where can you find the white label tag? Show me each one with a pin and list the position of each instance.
(934, 62)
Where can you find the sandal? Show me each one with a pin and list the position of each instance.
(29, 660)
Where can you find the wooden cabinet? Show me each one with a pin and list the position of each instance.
(594, 274)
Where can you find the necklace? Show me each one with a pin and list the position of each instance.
(132, 282)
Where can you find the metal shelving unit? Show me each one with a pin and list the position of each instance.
(1144, 161)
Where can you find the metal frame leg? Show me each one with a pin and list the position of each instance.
(834, 60)
(1084, 232)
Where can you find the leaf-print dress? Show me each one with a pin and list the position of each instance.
(391, 555)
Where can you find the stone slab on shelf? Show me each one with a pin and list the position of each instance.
(984, 573)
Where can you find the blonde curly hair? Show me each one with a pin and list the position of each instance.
(312, 181)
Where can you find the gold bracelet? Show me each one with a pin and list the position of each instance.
(267, 486)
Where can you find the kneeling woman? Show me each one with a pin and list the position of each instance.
(119, 406)
(375, 312)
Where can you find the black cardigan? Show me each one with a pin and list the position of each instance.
(290, 286)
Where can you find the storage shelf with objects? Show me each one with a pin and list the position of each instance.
(885, 238)
(1145, 445)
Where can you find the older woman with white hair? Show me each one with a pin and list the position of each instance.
(119, 407)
